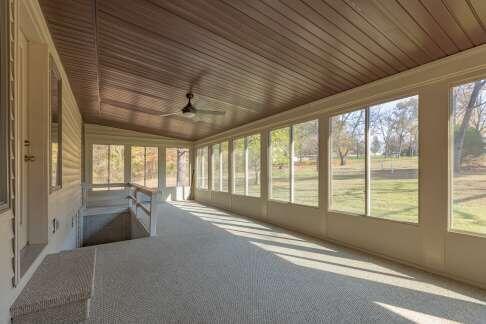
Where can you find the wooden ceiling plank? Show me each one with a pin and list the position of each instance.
(261, 50)
(462, 13)
(348, 28)
(290, 32)
(309, 19)
(362, 25)
(448, 23)
(178, 62)
(232, 54)
(381, 21)
(409, 26)
(427, 22)
(180, 51)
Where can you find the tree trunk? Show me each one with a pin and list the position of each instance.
(181, 168)
(459, 138)
(342, 157)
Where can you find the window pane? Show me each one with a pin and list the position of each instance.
(306, 166)
(183, 167)
(469, 157)
(100, 164)
(348, 162)
(151, 167)
(216, 167)
(170, 167)
(394, 160)
(239, 166)
(253, 145)
(117, 164)
(280, 173)
(138, 165)
(202, 167)
(198, 167)
(224, 166)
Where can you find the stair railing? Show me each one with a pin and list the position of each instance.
(143, 203)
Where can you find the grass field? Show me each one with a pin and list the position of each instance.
(394, 194)
(394, 190)
(394, 187)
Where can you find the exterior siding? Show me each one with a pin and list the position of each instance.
(63, 204)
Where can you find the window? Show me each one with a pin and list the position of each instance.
(280, 157)
(348, 162)
(216, 168)
(220, 167)
(253, 165)
(55, 131)
(394, 160)
(177, 167)
(4, 106)
(224, 166)
(295, 170)
(108, 164)
(389, 132)
(239, 186)
(202, 168)
(246, 166)
(469, 157)
(306, 163)
(145, 166)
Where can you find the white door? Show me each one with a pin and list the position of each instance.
(25, 139)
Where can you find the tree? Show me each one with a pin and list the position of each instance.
(182, 166)
(375, 145)
(467, 114)
(347, 130)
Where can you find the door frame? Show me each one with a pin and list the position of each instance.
(38, 107)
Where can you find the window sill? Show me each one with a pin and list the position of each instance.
(415, 224)
(466, 233)
(246, 196)
(219, 191)
(283, 202)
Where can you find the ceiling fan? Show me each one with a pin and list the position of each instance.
(190, 111)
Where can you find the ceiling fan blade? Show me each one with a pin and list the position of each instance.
(210, 112)
(170, 114)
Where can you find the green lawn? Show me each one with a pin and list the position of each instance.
(394, 190)
(394, 194)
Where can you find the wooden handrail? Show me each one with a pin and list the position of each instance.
(145, 190)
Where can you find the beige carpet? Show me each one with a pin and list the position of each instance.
(207, 266)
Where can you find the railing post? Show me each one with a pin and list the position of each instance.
(154, 209)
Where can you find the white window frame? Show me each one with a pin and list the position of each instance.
(145, 163)
(245, 154)
(367, 109)
(220, 175)
(291, 200)
(450, 200)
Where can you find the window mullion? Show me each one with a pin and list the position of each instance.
(367, 163)
(109, 164)
(220, 167)
(144, 166)
(291, 169)
(246, 166)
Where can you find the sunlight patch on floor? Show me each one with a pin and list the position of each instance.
(415, 317)
(315, 256)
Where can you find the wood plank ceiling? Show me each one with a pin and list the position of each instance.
(130, 61)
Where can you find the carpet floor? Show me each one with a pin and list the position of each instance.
(210, 266)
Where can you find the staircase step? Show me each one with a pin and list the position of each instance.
(59, 291)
